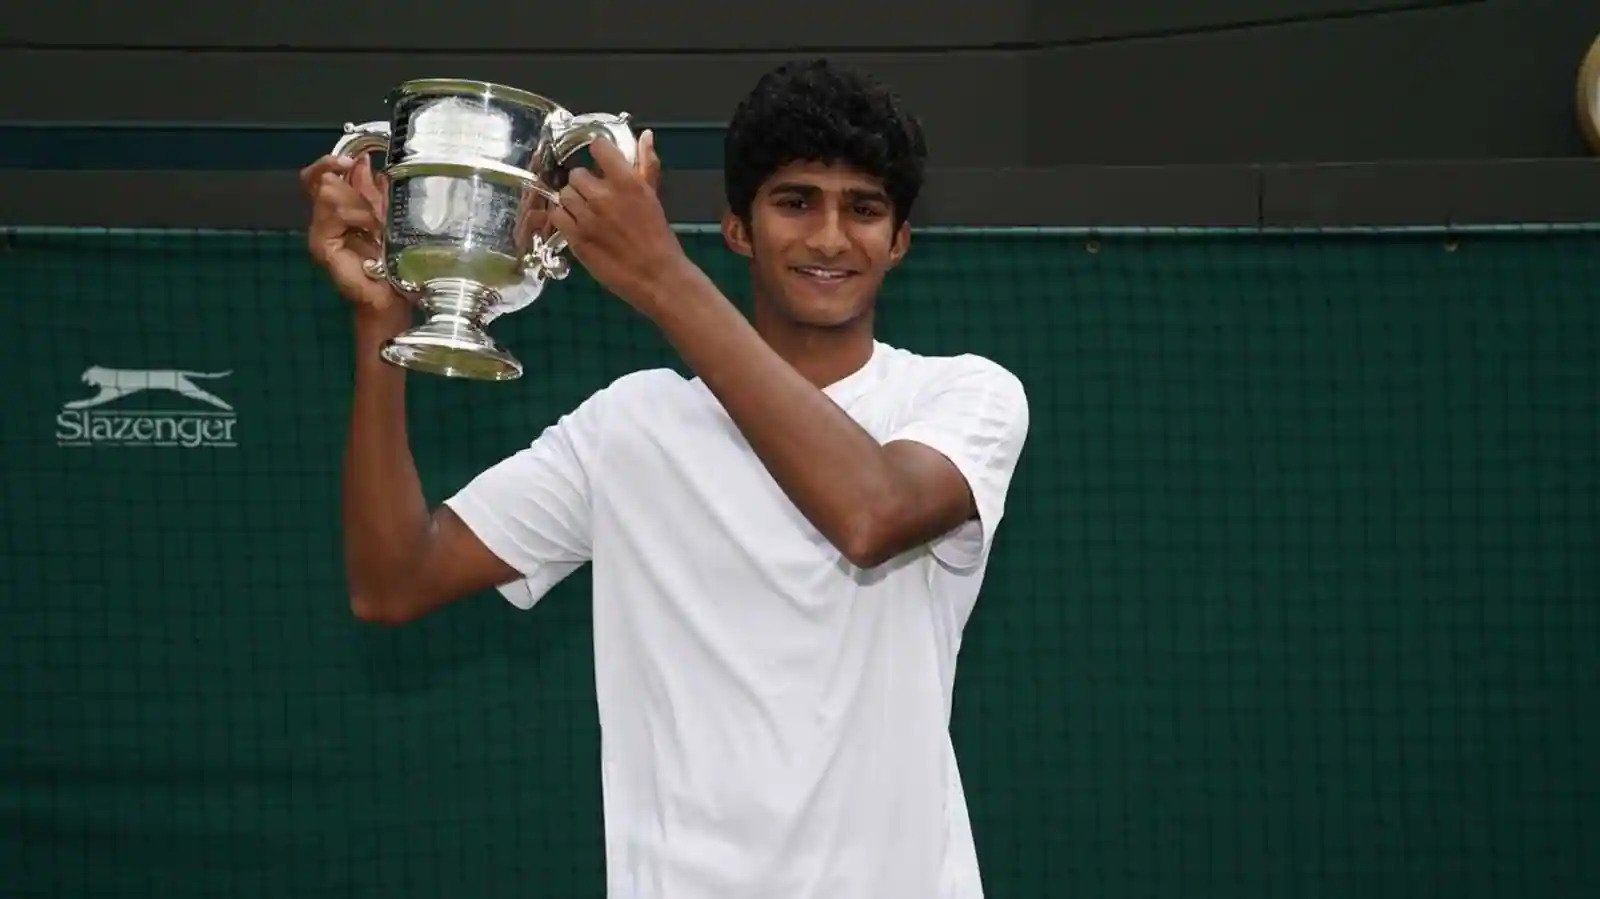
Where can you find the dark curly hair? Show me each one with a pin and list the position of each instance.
(813, 110)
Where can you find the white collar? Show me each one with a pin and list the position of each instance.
(856, 383)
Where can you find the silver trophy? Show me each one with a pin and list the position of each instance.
(474, 169)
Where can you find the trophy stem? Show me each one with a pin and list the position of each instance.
(452, 341)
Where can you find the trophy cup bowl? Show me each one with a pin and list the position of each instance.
(474, 169)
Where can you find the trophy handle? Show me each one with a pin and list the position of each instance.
(359, 139)
(571, 134)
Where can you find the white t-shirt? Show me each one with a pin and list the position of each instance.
(774, 720)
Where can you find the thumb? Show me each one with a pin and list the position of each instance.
(380, 200)
(364, 179)
(649, 162)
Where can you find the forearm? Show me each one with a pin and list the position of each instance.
(836, 473)
(385, 513)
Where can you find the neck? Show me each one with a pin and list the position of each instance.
(821, 355)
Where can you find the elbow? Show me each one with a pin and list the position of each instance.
(866, 558)
(386, 603)
(867, 545)
(865, 554)
(385, 611)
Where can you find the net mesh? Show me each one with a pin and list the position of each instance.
(1296, 594)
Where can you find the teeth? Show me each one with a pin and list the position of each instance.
(822, 272)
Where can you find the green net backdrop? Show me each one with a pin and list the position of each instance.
(1297, 595)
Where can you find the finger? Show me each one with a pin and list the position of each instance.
(360, 218)
(532, 219)
(313, 172)
(361, 173)
(330, 194)
(365, 245)
(562, 221)
(584, 182)
(333, 191)
(575, 205)
(380, 200)
(366, 182)
(649, 162)
(328, 249)
(311, 175)
(608, 159)
(335, 203)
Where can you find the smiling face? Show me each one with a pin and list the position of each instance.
(820, 238)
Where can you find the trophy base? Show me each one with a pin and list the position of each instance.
(454, 347)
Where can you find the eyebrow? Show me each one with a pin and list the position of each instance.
(811, 190)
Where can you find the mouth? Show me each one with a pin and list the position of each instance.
(824, 274)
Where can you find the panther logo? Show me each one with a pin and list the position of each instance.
(119, 382)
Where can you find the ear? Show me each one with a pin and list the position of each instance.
(736, 234)
(901, 245)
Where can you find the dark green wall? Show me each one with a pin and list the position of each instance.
(1296, 595)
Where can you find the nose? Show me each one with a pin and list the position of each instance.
(828, 238)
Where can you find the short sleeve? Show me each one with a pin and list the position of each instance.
(534, 509)
(976, 415)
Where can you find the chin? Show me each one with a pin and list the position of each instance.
(823, 314)
(826, 309)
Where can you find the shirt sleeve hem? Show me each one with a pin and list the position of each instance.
(967, 544)
(477, 517)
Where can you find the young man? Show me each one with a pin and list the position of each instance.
(786, 548)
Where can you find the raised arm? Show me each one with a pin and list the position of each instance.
(401, 561)
(872, 502)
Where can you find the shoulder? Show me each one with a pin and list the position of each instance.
(641, 388)
(929, 376)
(645, 395)
(620, 400)
(647, 382)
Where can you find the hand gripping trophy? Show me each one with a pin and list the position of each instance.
(473, 171)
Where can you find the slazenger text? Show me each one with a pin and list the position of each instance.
(75, 427)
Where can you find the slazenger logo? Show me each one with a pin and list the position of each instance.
(84, 422)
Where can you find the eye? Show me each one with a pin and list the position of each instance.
(867, 211)
(791, 202)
